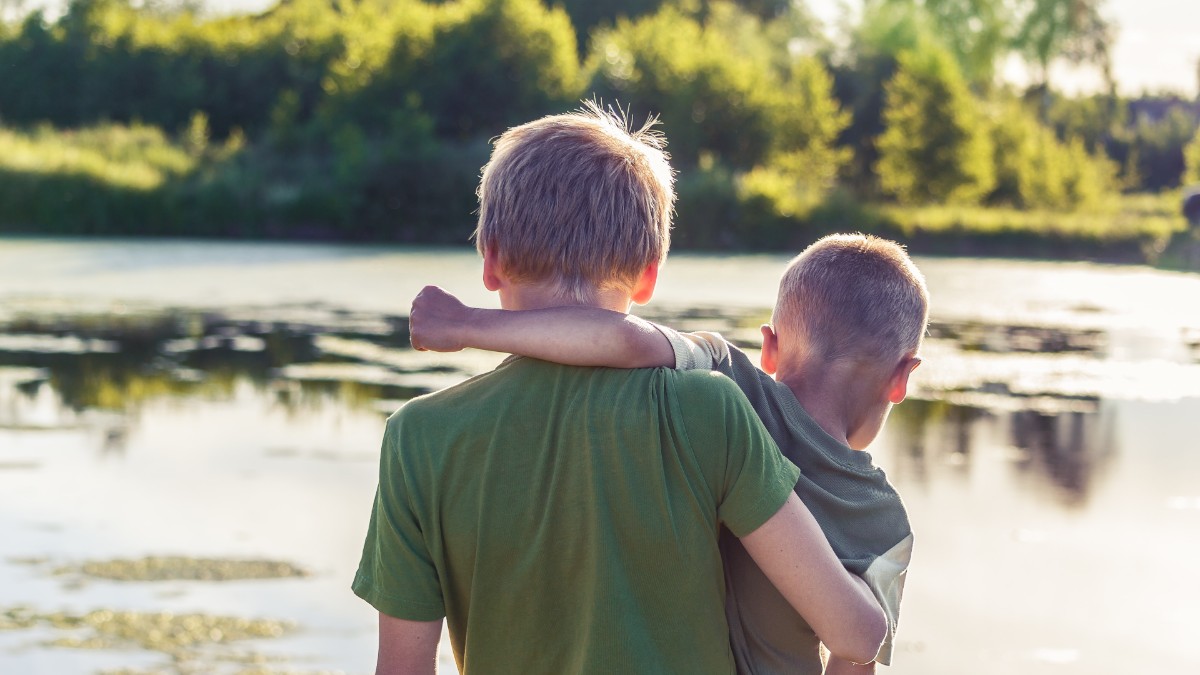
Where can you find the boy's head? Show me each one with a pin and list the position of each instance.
(853, 296)
(579, 200)
(851, 313)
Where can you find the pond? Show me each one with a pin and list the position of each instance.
(189, 434)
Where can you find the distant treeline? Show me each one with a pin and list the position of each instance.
(370, 119)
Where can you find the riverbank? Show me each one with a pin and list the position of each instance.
(115, 180)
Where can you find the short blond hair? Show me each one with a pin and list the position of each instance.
(580, 199)
(854, 295)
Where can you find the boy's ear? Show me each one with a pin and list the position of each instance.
(898, 382)
(770, 349)
(643, 290)
(493, 276)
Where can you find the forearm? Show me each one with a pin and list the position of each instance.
(793, 552)
(577, 336)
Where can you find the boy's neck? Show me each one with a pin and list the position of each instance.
(832, 394)
(524, 296)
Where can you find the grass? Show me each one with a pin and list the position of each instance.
(134, 157)
(1123, 217)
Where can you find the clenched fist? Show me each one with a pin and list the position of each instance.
(437, 321)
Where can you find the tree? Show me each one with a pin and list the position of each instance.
(1192, 156)
(808, 120)
(710, 98)
(587, 15)
(1035, 170)
(1073, 30)
(976, 32)
(1152, 144)
(503, 62)
(936, 146)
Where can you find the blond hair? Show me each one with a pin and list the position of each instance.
(579, 199)
(854, 295)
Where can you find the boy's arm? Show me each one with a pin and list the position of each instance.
(793, 552)
(577, 336)
(407, 647)
(839, 666)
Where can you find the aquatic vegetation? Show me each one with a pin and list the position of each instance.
(179, 568)
(195, 643)
(989, 337)
(158, 631)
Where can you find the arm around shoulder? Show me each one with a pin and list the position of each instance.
(407, 647)
(571, 335)
(794, 554)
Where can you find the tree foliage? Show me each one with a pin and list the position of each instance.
(688, 74)
(1151, 145)
(936, 147)
(976, 32)
(1073, 30)
(1035, 170)
(1192, 155)
(371, 118)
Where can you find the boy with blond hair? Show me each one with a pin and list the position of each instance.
(848, 323)
(565, 519)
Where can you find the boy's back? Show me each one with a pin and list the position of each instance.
(542, 500)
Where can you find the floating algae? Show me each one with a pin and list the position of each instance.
(178, 568)
(195, 643)
(157, 631)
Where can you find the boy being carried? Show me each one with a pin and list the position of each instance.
(847, 325)
(544, 511)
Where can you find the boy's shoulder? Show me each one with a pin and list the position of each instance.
(528, 378)
(705, 392)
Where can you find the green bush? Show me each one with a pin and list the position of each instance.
(1152, 149)
(936, 146)
(1034, 170)
(709, 100)
(1192, 154)
(707, 208)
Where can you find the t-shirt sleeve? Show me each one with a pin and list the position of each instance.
(396, 573)
(886, 577)
(751, 479)
(695, 351)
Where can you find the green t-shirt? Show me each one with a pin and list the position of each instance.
(565, 520)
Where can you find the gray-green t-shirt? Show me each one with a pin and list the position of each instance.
(565, 520)
(858, 509)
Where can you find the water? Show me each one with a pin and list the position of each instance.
(224, 402)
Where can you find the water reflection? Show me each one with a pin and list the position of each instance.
(1065, 451)
(979, 336)
(98, 371)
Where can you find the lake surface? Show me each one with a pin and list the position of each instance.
(189, 434)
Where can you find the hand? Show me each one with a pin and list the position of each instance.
(436, 321)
